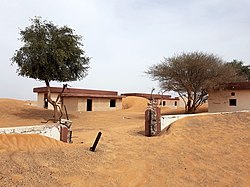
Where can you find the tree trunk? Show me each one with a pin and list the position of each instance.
(190, 109)
(53, 103)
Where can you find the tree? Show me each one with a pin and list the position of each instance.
(192, 75)
(51, 53)
(241, 69)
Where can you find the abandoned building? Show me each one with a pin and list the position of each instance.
(80, 99)
(230, 97)
(162, 100)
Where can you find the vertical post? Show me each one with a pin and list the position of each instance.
(152, 121)
(70, 137)
(64, 133)
(147, 122)
(158, 119)
(96, 142)
(66, 112)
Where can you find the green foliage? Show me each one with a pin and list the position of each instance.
(191, 75)
(242, 70)
(50, 53)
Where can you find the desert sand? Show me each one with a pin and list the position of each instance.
(212, 150)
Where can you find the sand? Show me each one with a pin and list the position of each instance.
(196, 151)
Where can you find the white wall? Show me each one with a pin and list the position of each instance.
(52, 131)
(167, 120)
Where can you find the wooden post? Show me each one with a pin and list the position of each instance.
(147, 122)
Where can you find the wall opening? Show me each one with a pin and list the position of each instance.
(112, 103)
(232, 93)
(164, 103)
(232, 102)
(45, 101)
(89, 104)
(175, 103)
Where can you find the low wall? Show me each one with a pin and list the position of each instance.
(49, 130)
(167, 120)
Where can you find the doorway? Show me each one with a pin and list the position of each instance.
(89, 104)
(45, 101)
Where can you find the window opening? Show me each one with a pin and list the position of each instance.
(232, 102)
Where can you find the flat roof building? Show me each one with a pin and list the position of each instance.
(76, 99)
(230, 97)
(162, 100)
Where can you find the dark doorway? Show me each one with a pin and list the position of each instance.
(112, 103)
(45, 101)
(89, 104)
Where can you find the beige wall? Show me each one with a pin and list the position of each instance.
(71, 103)
(170, 103)
(219, 101)
(103, 104)
(80, 104)
(40, 100)
(98, 104)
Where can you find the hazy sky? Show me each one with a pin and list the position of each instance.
(125, 37)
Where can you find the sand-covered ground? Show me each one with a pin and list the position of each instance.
(211, 150)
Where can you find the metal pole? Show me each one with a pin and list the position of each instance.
(96, 142)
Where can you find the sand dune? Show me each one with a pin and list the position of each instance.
(135, 103)
(28, 142)
(197, 151)
(20, 113)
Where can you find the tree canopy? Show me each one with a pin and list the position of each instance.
(192, 75)
(242, 70)
(51, 53)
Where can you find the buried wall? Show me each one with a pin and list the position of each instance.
(60, 131)
(51, 131)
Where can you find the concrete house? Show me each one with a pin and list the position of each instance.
(80, 99)
(162, 100)
(230, 97)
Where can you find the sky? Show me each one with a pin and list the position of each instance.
(125, 37)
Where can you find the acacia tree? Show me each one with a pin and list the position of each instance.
(241, 69)
(51, 53)
(192, 75)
